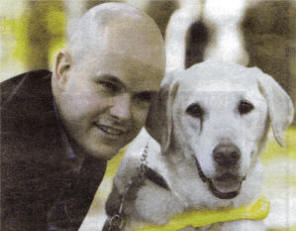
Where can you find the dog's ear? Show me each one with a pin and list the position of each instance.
(159, 122)
(280, 106)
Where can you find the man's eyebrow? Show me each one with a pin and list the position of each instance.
(147, 92)
(116, 80)
(110, 78)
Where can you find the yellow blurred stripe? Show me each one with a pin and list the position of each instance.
(256, 211)
(273, 150)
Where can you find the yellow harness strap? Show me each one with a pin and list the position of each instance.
(256, 211)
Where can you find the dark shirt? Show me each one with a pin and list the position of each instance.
(45, 185)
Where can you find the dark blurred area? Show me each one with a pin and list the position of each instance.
(270, 34)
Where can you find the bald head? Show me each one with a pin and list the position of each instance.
(104, 81)
(114, 27)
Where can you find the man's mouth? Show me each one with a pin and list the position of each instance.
(226, 186)
(110, 130)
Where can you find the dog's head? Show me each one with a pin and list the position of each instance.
(218, 115)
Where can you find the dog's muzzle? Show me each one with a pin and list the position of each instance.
(217, 185)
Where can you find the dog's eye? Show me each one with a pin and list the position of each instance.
(245, 107)
(195, 110)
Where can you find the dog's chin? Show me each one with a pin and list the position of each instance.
(226, 186)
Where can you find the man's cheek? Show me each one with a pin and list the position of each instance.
(140, 116)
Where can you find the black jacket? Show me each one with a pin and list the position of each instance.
(42, 187)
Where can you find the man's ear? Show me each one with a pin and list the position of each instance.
(62, 65)
(159, 122)
(280, 106)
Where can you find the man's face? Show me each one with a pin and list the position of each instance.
(106, 98)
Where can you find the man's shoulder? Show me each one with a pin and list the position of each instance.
(24, 85)
(27, 106)
(29, 128)
(27, 97)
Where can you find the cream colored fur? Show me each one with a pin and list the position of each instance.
(178, 137)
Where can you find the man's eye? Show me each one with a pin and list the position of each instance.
(110, 86)
(145, 96)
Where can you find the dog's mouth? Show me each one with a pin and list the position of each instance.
(225, 186)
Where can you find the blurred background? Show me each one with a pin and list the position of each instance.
(31, 32)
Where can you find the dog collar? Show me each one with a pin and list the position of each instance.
(255, 211)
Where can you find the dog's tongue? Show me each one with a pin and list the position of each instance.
(227, 183)
(227, 186)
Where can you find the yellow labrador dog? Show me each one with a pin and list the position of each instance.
(207, 129)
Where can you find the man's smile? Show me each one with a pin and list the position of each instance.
(110, 130)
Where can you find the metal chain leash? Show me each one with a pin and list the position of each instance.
(117, 221)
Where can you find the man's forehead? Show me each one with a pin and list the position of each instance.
(142, 44)
(133, 73)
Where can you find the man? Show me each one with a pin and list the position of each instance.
(58, 129)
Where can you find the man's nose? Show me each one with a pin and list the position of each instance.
(121, 107)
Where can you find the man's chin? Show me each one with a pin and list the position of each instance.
(99, 149)
(104, 151)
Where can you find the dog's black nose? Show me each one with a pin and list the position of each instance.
(226, 155)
